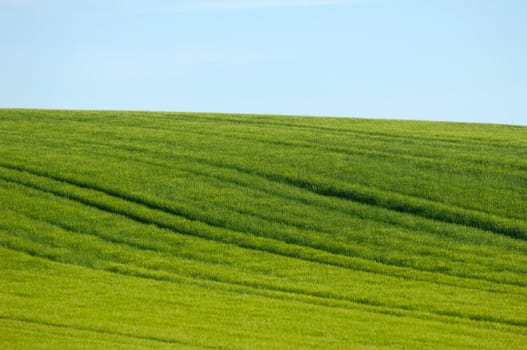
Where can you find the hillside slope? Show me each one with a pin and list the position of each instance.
(182, 230)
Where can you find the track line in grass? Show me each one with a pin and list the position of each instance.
(386, 274)
(429, 208)
(236, 181)
(390, 200)
(155, 275)
(351, 150)
(293, 251)
(102, 331)
(298, 295)
(407, 204)
(264, 244)
(18, 335)
(317, 246)
(94, 233)
(404, 204)
(141, 219)
(345, 130)
(172, 276)
(325, 248)
(256, 136)
(397, 201)
(329, 300)
(175, 128)
(241, 119)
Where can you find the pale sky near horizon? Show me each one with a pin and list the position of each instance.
(432, 60)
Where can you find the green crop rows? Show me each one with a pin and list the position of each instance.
(134, 230)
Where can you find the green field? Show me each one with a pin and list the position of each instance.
(137, 230)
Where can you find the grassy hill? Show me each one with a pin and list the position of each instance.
(133, 230)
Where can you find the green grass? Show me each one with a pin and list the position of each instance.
(136, 230)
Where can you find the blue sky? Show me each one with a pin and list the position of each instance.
(427, 59)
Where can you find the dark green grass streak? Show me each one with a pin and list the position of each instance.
(182, 230)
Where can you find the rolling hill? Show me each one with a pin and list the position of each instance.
(142, 230)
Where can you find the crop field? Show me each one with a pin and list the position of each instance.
(142, 230)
